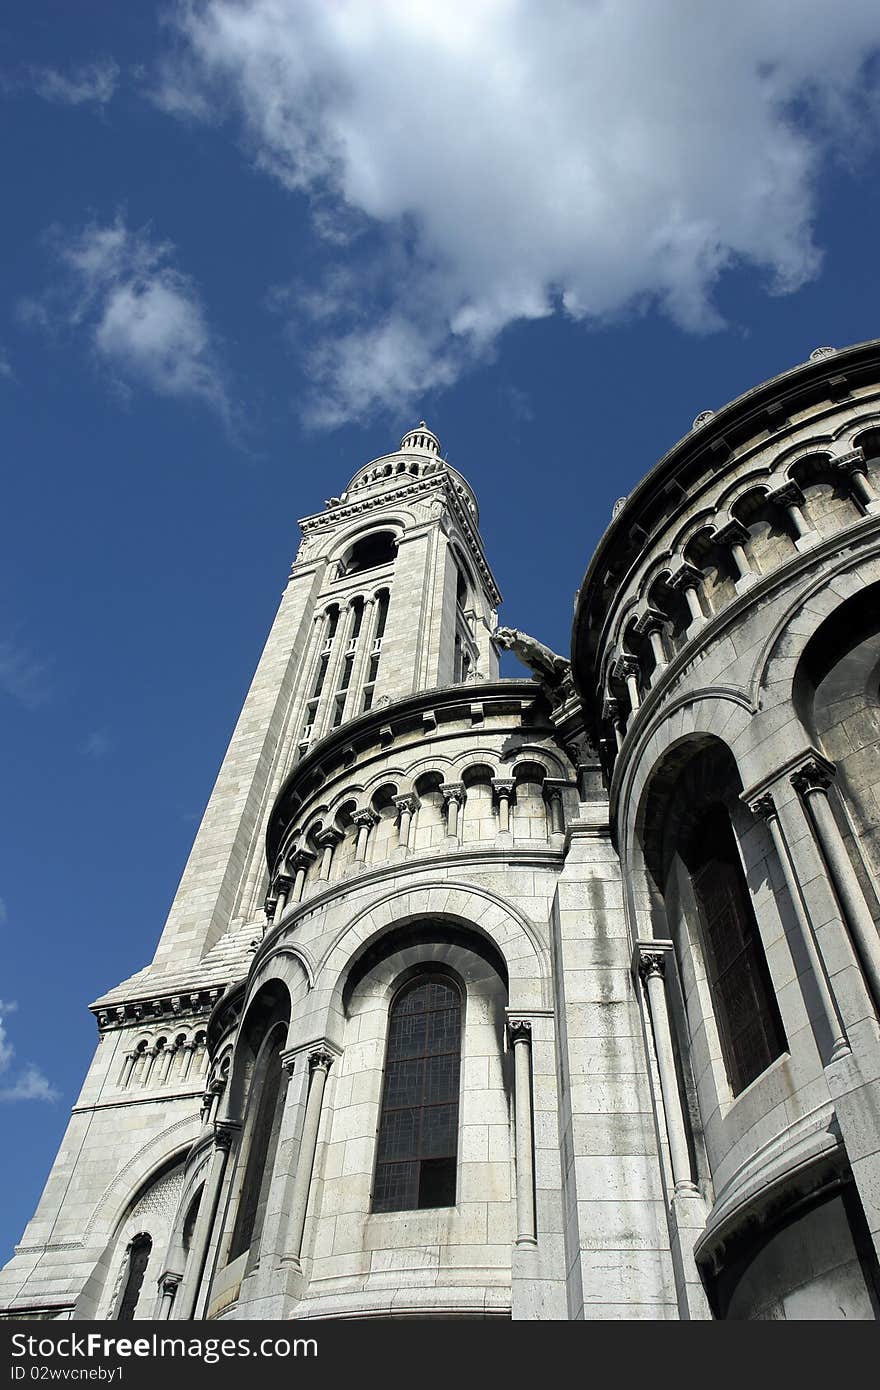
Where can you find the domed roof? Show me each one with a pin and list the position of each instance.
(421, 440)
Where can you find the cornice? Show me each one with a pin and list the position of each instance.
(155, 1007)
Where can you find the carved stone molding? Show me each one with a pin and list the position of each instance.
(156, 1009)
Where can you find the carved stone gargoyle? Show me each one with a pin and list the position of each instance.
(552, 670)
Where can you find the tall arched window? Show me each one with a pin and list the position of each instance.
(417, 1150)
(267, 1095)
(138, 1259)
(743, 1000)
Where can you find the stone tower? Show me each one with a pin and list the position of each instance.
(544, 998)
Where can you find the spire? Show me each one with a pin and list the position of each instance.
(421, 440)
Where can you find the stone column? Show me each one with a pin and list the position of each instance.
(627, 668)
(503, 789)
(652, 967)
(283, 888)
(328, 840)
(812, 781)
(735, 535)
(406, 808)
(765, 807)
(611, 712)
(168, 1286)
(652, 625)
(688, 579)
(453, 799)
(791, 498)
(520, 1032)
(364, 820)
(362, 655)
(553, 795)
(320, 1061)
(185, 1303)
(300, 861)
(853, 465)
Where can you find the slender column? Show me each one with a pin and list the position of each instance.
(127, 1067)
(812, 781)
(765, 807)
(627, 668)
(169, 1284)
(328, 840)
(553, 795)
(283, 887)
(184, 1305)
(503, 789)
(362, 656)
(190, 1049)
(453, 799)
(652, 625)
(520, 1031)
(791, 498)
(611, 712)
(364, 820)
(734, 534)
(334, 669)
(652, 967)
(300, 860)
(688, 579)
(856, 469)
(320, 1062)
(406, 808)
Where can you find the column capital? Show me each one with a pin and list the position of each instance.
(519, 1029)
(730, 531)
(853, 461)
(652, 620)
(503, 786)
(626, 665)
(651, 963)
(301, 858)
(321, 1059)
(407, 801)
(452, 791)
(553, 787)
(611, 708)
(788, 494)
(815, 774)
(225, 1132)
(366, 817)
(282, 884)
(685, 576)
(763, 806)
(330, 837)
(170, 1283)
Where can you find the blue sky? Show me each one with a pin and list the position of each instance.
(244, 246)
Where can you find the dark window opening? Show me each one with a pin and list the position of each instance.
(418, 1127)
(369, 552)
(267, 1094)
(138, 1259)
(746, 1011)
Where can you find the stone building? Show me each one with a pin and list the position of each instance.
(554, 997)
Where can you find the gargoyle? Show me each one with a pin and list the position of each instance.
(551, 669)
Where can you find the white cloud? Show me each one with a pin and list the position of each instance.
(6, 366)
(93, 82)
(585, 158)
(28, 1083)
(22, 675)
(144, 318)
(98, 744)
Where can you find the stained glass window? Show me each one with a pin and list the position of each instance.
(418, 1128)
(745, 1006)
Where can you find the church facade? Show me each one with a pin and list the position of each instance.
(541, 998)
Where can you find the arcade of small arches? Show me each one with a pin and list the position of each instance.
(472, 802)
(761, 520)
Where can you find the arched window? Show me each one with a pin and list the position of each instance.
(268, 1097)
(377, 548)
(743, 1000)
(138, 1259)
(417, 1149)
